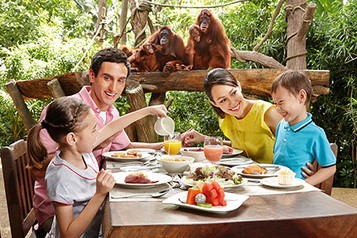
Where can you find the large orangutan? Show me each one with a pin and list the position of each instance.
(172, 56)
(144, 59)
(211, 48)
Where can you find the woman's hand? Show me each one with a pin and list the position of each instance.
(190, 137)
(105, 182)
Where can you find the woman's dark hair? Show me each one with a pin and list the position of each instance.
(109, 55)
(294, 81)
(63, 115)
(222, 77)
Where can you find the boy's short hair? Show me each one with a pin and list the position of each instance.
(293, 81)
(109, 55)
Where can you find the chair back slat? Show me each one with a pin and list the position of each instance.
(18, 187)
(326, 186)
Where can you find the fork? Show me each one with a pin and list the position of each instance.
(268, 171)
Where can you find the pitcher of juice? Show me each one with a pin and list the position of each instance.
(172, 144)
(164, 126)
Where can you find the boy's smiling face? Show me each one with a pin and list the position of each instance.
(291, 107)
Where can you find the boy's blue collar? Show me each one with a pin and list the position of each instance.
(300, 125)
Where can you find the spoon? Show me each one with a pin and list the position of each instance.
(154, 195)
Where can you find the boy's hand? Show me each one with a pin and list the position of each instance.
(309, 170)
(105, 182)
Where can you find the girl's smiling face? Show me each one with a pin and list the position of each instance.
(229, 99)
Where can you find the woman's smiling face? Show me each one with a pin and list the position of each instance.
(229, 99)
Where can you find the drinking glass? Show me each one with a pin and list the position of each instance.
(172, 143)
(213, 148)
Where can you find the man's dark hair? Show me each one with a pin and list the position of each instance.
(109, 55)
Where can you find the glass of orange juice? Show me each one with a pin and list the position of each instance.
(213, 148)
(172, 143)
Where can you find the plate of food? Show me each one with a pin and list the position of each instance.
(124, 156)
(234, 201)
(229, 151)
(257, 170)
(223, 175)
(273, 182)
(140, 179)
(234, 161)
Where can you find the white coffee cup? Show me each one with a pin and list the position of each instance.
(164, 126)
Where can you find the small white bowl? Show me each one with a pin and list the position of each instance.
(175, 163)
(190, 151)
(286, 179)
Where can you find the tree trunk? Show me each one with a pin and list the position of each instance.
(139, 19)
(102, 14)
(296, 46)
(136, 98)
(122, 21)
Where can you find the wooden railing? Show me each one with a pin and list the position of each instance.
(253, 81)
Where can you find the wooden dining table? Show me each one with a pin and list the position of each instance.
(300, 214)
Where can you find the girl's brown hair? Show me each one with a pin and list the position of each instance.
(63, 115)
(294, 81)
(221, 77)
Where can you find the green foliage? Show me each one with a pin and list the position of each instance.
(332, 45)
(23, 20)
(46, 47)
(193, 110)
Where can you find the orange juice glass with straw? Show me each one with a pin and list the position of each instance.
(172, 144)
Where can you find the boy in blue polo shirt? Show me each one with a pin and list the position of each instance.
(298, 139)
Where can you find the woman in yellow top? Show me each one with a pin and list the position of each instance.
(249, 124)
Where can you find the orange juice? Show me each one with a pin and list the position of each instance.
(172, 147)
(213, 152)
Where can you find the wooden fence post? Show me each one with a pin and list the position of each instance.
(55, 88)
(19, 102)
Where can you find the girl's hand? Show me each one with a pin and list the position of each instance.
(105, 182)
(190, 137)
(158, 110)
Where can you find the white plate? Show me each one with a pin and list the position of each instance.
(233, 202)
(191, 183)
(110, 155)
(235, 152)
(233, 161)
(239, 169)
(161, 178)
(273, 182)
(143, 150)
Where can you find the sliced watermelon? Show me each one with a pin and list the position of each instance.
(216, 185)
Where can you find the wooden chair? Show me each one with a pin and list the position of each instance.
(19, 188)
(326, 186)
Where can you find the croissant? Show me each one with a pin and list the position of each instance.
(249, 169)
